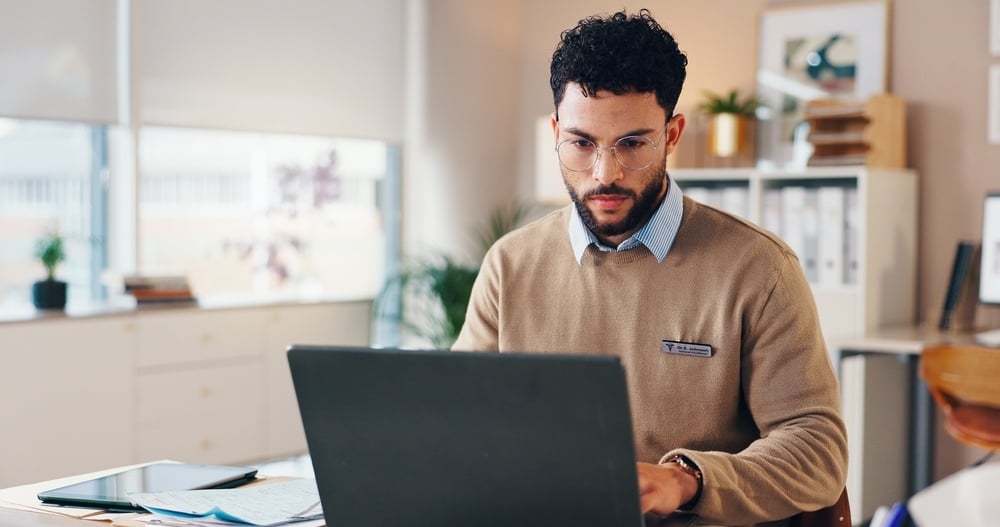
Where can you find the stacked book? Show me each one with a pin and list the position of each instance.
(159, 289)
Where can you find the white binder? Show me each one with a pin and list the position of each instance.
(793, 200)
(831, 235)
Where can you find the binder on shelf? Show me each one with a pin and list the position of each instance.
(736, 200)
(699, 194)
(832, 249)
(771, 211)
(810, 234)
(852, 222)
(793, 200)
(714, 197)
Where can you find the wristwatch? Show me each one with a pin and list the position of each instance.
(688, 467)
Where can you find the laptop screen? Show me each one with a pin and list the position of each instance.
(455, 438)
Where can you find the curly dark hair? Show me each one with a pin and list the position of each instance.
(620, 54)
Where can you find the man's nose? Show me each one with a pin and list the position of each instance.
(606, 169)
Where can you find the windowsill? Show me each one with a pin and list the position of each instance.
(125, 305)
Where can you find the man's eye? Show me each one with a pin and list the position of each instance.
(629, 143)
(582, 144)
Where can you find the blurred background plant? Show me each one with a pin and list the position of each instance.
(49, 251)
(732, 102)
(427, 299)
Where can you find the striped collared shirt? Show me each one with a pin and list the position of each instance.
(657, 234)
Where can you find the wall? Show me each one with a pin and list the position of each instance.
(940, 60)
(461, 119)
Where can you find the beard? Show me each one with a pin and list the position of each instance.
(643, 203)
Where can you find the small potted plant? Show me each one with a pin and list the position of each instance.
(49, 293)
(731, 121)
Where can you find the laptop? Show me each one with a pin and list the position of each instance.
(400, 437)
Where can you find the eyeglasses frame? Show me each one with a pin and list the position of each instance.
(614, 152)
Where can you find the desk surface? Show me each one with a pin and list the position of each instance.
(18, 518)
(904, 340)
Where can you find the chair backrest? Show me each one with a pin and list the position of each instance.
(836, 515)
(965, 382)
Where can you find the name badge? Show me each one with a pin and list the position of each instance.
(685, 348)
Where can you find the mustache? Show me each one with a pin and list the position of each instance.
(609, 190)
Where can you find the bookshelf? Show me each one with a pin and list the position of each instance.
(861, 263)
(873, 287)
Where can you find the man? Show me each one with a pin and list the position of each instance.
(734, 401)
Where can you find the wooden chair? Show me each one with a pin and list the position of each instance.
(836, 515)
(965, 382)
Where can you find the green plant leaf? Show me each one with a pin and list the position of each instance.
(49, 250)
(429, 296)
(714, 104)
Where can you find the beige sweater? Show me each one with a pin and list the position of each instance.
(760, 416)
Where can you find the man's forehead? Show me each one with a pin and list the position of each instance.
(607, 112)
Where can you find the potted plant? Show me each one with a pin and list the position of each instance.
(49, 293)
(731, 117)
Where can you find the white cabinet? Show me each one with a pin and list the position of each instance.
(68, 393)
(877, 243)
(200, 384)
(168, 336)
(303, 324)
(192, 384)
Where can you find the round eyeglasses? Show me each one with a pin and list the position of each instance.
(634, 152)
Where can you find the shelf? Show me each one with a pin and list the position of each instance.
(870, 133)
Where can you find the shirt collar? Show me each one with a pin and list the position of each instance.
(657, 234)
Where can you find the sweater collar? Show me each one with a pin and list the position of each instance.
(657, 234)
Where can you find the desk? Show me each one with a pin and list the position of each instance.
(907, 342)
(13, 517)
(18, 518)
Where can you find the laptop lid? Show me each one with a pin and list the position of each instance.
(453, 438)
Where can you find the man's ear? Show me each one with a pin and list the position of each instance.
(555, 128)
(675, 127)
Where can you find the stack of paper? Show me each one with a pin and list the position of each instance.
(262, 505)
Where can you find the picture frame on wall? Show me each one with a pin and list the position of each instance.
(830, 50)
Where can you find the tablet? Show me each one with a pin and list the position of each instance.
(111, 492)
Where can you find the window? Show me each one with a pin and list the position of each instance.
(51, 180)
(242, 212)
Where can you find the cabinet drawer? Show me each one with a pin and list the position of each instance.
(191, 336)
(212, 439)
(233, 391)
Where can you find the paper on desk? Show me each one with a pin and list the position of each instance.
(967, 498)
(272, 504)
(159, 520)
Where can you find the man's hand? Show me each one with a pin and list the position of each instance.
(664, 488)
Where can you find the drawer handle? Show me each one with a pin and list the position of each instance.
(206, 338)
(206, 444)
(206, 392)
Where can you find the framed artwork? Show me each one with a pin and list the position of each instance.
(815, 51)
